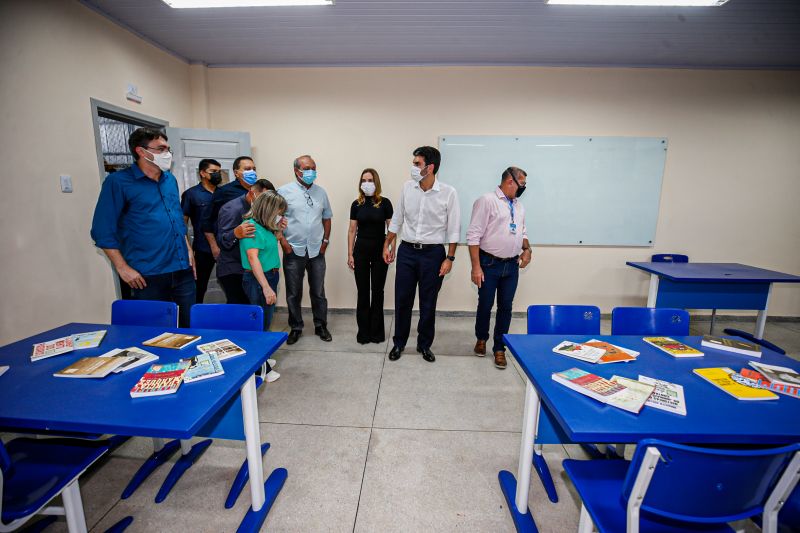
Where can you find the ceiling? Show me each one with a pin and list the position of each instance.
(740, 34)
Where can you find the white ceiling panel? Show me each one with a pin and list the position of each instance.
(740, 34)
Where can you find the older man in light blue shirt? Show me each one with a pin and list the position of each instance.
(304, 242)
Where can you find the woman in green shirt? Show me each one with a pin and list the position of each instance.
(260, 257)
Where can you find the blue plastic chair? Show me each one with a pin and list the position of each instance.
(156, 314)
(144, 313)
(676, 488)
(661, 321)
(236, 317)
(669, 258)
(554, 320)
(34, 471)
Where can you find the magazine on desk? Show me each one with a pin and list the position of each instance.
(579, 351)
(135, 357)
(723, 378)
(91, 339)
(202, 366)
(605, 391)
(731, 345)
(672, 347)
(160, 379)
(613, 353)
(224, 349)
(666, 396)
(92, 367)
(777, 375)
(176, 341)
(758, 380)
(43, 350)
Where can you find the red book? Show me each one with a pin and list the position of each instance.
(160, 380)
(764, 383)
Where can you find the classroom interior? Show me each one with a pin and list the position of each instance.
(373, 445)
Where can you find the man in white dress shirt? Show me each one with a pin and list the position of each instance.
(426, 218)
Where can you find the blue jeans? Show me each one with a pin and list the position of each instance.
(499, 277)
(178, 287)
(256, 295)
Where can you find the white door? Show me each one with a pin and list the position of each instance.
(190, 145)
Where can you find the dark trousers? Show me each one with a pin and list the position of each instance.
(294, 270)
(232, 287)
(175, 287)
(204, 264)
(370, 272)
(256, 295)
(417, 267)
(499, 277)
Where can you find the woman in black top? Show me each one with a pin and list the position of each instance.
(370, 215)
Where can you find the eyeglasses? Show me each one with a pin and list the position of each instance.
(158, 149)
(309, 200)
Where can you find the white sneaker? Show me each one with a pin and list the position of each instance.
(272, 362)
(272, 376)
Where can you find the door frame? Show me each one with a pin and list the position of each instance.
(125, 115)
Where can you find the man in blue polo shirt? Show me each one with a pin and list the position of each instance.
(193, 202)
(138, 223)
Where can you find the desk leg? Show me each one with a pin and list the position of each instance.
(761, 320)
(652, 293)
(262, 494)
(516, 491)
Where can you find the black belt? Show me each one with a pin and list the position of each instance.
(501, 259)
(420, 246)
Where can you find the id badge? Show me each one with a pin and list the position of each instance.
(513, 228)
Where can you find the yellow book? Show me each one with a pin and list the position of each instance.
(723, 378)
(672, 347)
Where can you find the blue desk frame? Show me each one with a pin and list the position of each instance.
(712, 286)
(31, 398)
(712, 415)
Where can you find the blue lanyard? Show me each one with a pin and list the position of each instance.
(511, 207)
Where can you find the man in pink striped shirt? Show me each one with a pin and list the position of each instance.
(498, 247)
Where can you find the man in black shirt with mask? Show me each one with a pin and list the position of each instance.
(193, 202)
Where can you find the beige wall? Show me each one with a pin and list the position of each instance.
(55, 55)
(731, 175)
(731, 186)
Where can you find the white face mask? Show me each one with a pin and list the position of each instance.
(416, 174)
(278, 219)
(368, 188)
(162, 161)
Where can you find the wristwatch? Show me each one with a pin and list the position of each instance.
(451, 258)
(326, 241)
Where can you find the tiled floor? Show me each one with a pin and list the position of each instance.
(370, 445)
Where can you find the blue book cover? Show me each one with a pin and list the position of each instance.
(203, 366)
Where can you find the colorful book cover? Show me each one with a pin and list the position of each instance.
(91, 339)
(764, 383)
(224, 348)
(90, 367)
(723, 378)
(672, 347)
(634, 397)
(203, 366)
(613, 353)
(160, 380)
(579, 351)
(175, 341)
(135, 357)
(666, 396)
(731, 345)
(43, 350)
(778, 375)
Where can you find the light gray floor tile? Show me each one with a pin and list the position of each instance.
(447, 481)
(343, 329)
(466, 393)
(323, 388)
(454, 336)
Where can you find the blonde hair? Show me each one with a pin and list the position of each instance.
(265, 208)
(376, 198)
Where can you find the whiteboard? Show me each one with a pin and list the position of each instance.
(580, 190)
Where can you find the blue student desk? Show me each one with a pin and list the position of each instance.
(31, 398)
(712, 416)
(712, 286)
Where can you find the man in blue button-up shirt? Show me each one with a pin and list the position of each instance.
(138, 223)
(304, 242)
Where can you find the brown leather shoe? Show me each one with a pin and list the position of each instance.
(480, 348)
(500, 360)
